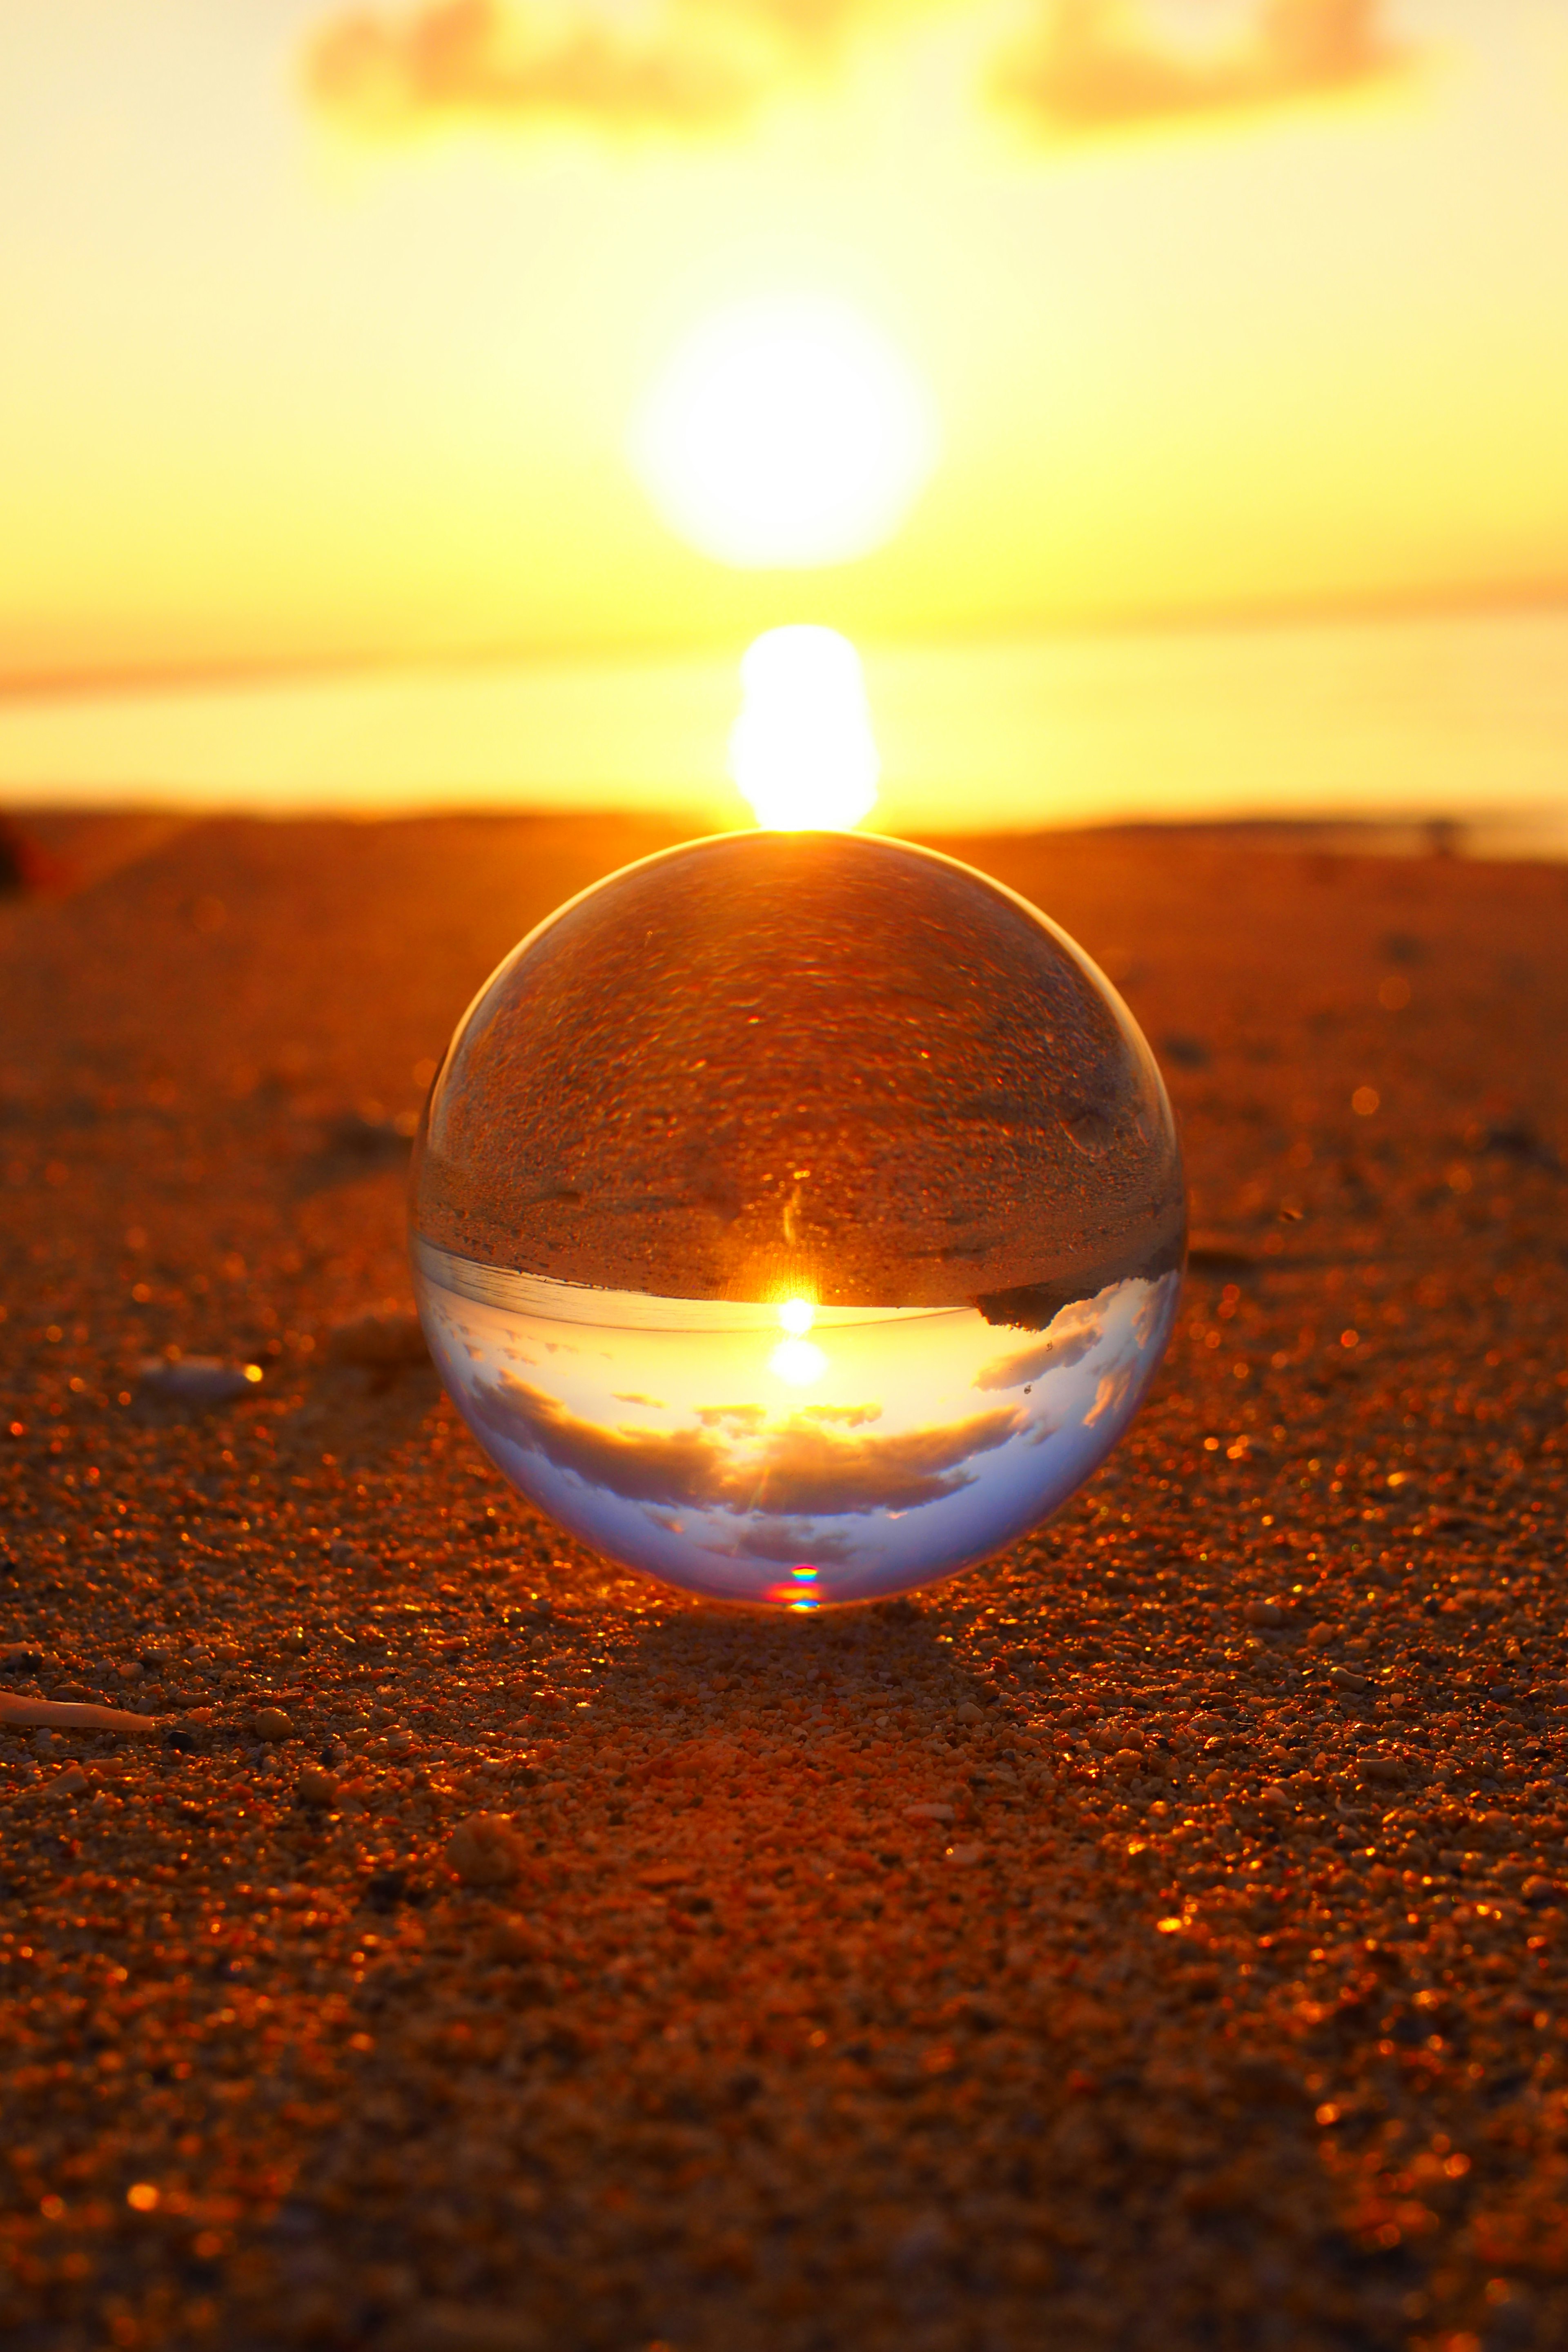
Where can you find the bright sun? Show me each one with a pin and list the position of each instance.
(786, 431)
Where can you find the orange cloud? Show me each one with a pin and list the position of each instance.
(702, 65)
(480, 60)
(680, 65)
(1099, 65)
(802, 1469)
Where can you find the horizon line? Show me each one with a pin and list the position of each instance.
(1318, 612)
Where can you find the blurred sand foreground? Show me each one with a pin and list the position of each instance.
(1154, 1939)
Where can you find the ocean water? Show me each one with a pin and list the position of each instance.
(1460, 716)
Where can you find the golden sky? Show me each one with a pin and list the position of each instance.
(326, 328)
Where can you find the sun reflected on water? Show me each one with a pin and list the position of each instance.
(801, 750)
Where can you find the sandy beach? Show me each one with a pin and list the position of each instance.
(1152, 1940)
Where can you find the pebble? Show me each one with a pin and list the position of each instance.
(485, 1851)
(272, 1723)
(196, 1380)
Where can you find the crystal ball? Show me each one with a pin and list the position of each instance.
(797, 1217)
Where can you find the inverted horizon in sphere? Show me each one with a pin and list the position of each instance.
(688, 1441)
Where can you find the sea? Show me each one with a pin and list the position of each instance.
(1455, 722)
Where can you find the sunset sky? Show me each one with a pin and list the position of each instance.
(331, 333)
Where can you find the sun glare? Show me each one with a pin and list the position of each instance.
(798, 1362)
(801, 750)
(787, 431)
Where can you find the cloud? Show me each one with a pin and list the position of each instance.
(1114, 1390)
(1055, 1353)
(1159, 1305)
(800, 1469)
(789, 1542)
(675, 65)
(695, 66)
(1078, 1328)
(479, 60)
(814, 1472)
(1099, 65)
(743, 1419)
(680, 1468)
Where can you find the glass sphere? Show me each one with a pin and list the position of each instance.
(797, 1217)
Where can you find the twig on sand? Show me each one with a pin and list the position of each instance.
(68, 1715)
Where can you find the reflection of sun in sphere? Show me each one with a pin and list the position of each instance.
(801, 750)
(785, 431)
(797, 1217)
(797, 1358)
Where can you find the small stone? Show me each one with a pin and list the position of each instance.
(196, 1379)
(271, 1723)
(129, 1670)
(1264, 1613)
(968, 1712)
(317, 1787)
(1383, 1768)
(484, 1850)
(964, 1858)
(928, 1812)
(72, 1782)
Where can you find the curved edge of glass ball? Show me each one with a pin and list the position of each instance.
(819, 1314)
